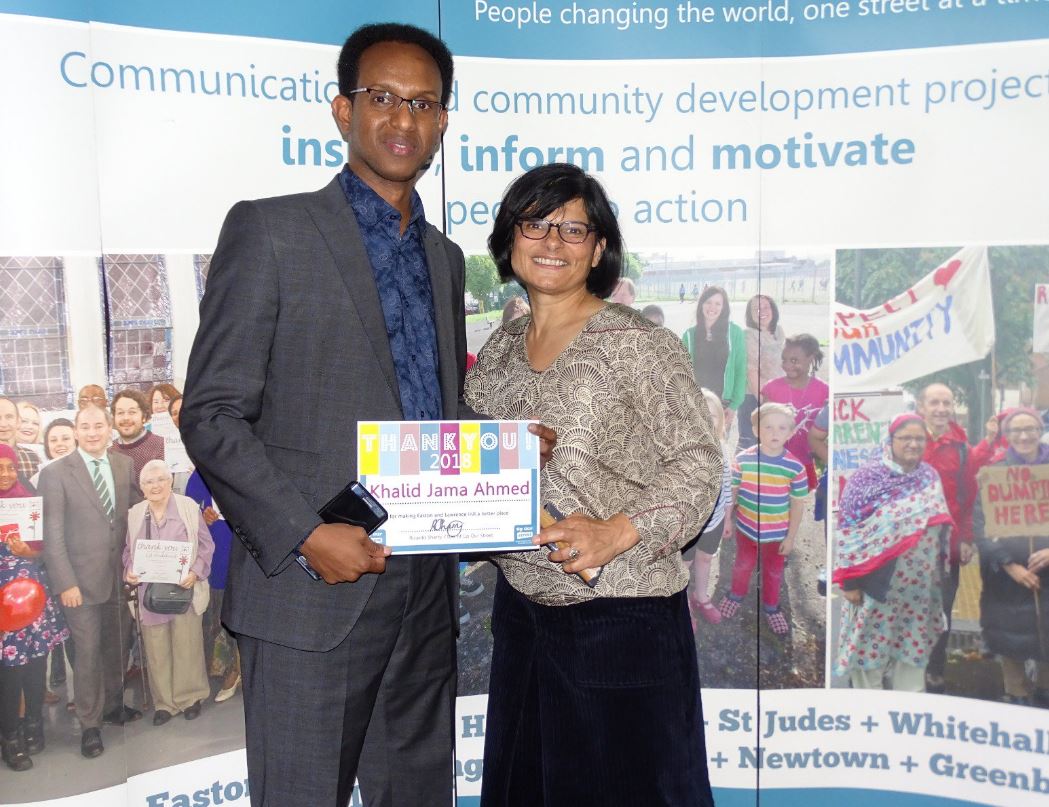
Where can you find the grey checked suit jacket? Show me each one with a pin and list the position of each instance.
(81, 546)
(291, 352)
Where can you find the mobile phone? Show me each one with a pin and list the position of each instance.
(353, 505)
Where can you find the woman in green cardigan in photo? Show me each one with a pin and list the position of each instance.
(718, 350)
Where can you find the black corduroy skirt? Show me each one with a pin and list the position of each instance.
(594, 704)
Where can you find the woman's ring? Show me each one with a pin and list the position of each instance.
(573, 553)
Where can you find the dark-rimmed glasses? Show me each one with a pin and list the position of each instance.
(389, 102)
(571, 232)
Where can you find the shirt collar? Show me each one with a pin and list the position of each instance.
(370, 208)
(90, 460)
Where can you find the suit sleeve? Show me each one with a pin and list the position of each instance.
(458, 265)
(225, 385)
(56, 555)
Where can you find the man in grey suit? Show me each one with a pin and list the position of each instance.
(323, 309)
(86, 498)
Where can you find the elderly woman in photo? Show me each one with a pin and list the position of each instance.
(594, 693)
(1014, 603)
(174, 643)
(889, 563)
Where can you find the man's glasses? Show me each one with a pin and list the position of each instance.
(571, 232)
(913, 440)
(1024, 431)
(388, 102)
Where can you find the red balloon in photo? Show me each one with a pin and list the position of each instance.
(21, 602)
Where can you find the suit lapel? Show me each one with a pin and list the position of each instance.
(338, 226)
(441, 286)
(122, 483)
(78, 471)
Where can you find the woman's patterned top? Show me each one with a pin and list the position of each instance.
(633, 437)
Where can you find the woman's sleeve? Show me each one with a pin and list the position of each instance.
(205, 549)
(681, 495)
(736, 369)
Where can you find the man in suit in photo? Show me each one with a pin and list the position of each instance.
(86, 497)
(323, 309)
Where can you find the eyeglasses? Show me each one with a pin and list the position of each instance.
(389, 102)
(912, 440)
(1024, 431)
(571, 232)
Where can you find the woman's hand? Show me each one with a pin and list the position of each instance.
(1038, 561)
(855, 596)
(211, 515)
(1025, 577)
(189, 580)
(21, 548)
(547, 441)
(589, 542)
(131, 578)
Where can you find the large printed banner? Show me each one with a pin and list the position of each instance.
(944, 319)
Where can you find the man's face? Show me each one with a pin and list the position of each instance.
(389, 148)
(92, 431)
(128, 418)
(8, 421)
(936, 406)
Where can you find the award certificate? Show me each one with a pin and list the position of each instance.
(452, 486)
(161, 561)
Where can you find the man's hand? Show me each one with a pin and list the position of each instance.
(547, 441)
(340, 553)
(1038, 561)
(71, 597)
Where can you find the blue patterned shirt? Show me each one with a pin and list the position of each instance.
(403, 281)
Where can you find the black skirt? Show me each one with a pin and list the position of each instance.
(594, 704)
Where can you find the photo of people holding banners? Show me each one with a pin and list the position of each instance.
(767, 166)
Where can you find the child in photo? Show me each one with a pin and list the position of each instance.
(769, 486)
(800, 388)
(701, 552)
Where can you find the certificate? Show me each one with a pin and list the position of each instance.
(452, 486)
(161, 561)
(23, 519)
(175, 455)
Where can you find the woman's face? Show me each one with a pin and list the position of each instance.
(908, 445)
(8, 474)
(712, 309)
(550, 264)
(761, 312)
(1024, 434)
(160, 402)
(156, 486)
(61, 440)
(176, 411)
(29, 428)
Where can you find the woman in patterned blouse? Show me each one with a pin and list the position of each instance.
(594, 692)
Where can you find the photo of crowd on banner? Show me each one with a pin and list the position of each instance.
(941, 535)
(85, 497)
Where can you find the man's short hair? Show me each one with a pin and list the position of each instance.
(105, 413)
(368, 35)
(927, 387)
(18, 415)
(137, 397)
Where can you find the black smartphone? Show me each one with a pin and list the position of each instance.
(352, 505)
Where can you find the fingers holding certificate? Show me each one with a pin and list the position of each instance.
(454, 486)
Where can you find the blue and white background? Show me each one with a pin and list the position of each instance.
(720, 127)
